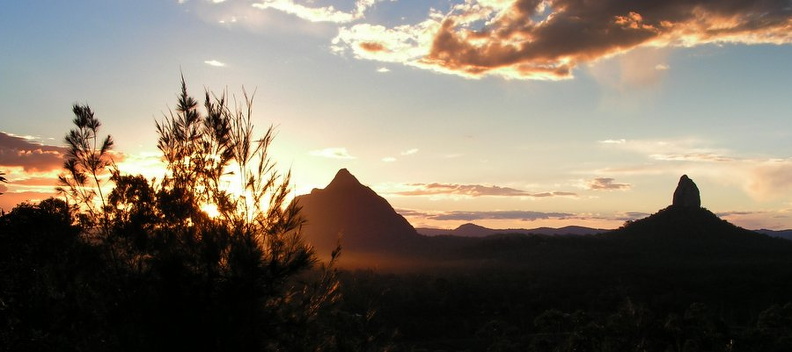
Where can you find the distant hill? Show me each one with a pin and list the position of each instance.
(696, 234)
(683, 236)
(473, 230)
(785, 234)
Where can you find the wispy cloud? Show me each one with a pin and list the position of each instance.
(762, 178)
(333, 153)
(317, 13)
(410, 152)
(522, 215)
(631, 215)
(423, 216)
(606, 184)
(214, 63)
(680, 149)
(450, 189)
(390, 159)
(769, 179)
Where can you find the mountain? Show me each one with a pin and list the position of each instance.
(685, 230)
(373, 235)
(355, 215)
(473, 230)
(785, 234)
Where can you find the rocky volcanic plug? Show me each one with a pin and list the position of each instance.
(686, 194)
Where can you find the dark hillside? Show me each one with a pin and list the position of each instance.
(680, 279)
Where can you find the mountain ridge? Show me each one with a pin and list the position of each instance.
(372, 234)
(474, 230)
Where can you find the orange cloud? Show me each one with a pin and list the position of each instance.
(547, 39)
(499, 215)
(372, 47)
(430, 189)
(16, 151)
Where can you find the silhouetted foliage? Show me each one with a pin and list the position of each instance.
(87, 162)
(49, 299)
(144, 267)
(2, 179)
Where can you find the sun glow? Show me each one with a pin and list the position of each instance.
(210, 210)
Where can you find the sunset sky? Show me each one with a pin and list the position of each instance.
(504, 113)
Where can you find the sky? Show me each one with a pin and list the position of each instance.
(504, 113)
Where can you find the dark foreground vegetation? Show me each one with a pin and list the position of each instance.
(680, 280)
(143, 268)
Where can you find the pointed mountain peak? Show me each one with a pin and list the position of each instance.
(344, 180)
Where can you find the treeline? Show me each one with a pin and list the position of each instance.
(518, 311)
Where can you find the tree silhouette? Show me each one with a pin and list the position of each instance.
(2, 179)
(146, 268)
(240, 263)
(86, 165)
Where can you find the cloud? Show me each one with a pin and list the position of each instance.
(762, 219)
(333, 153)
(519, 215)
(409, 152)
(548, 39)
(432, 189)
(317, 14)
(383, 70)
(214, 63)
(11, 199)
(762, 178)
(631, 215)
(614, 141)
(389, 159)
(680, 149)
(16, 151)
(606, 184)
(498, 215)
(770, 179)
